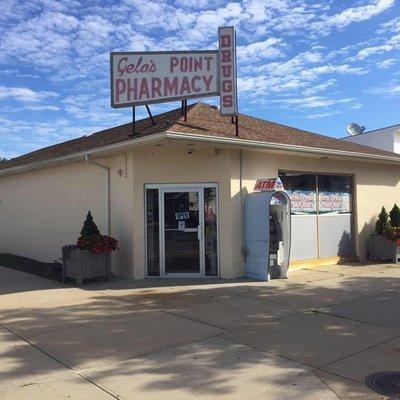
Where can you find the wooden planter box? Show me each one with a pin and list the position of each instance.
(84, 264)
(384, 249)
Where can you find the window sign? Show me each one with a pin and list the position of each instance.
(303, 201)
(181, 225)
(333, 203)
(182, 215)
(334, 194)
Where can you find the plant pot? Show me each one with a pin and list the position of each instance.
(84, 264)
(384, 249)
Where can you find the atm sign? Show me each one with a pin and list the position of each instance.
(268, 184)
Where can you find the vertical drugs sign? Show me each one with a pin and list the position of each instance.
(227, 71)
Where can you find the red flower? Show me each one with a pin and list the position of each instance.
(98, 244)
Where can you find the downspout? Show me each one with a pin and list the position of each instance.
(242, 222)
(108, 191)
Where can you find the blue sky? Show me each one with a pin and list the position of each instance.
(316, 65)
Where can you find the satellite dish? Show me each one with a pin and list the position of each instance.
(354, 129)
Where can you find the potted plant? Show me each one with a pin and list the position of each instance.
(90, 256)
(385, 241)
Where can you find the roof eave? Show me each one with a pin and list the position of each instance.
(81, 155)
(280, 146)
(135, 142)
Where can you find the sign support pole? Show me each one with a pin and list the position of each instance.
(184, 110)
(133, 121)
(237, 125)
(149, 112)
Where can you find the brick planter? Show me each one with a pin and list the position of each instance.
(84, 264)
(384, 249)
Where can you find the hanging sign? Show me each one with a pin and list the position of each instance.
(142, 78)
(227, 71)
(268, 184)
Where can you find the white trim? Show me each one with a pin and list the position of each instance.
(321, 215)
(82, 154)
(178, 186)
(276, 146)
(202, 138)
(334, 215)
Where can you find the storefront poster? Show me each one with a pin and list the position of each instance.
(333, 203)
(302, 201)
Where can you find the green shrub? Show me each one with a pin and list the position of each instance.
(382, 224)
(395, 216)
(89, 228)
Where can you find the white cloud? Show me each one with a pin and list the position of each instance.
(24, 94)
(322, 115)
(67, 44)
(92, 108)
(312, 102)
(320, 88)
(352, 15)
(385, 64)
(389, 44)
(270, 48)
(390, 26)
(389, 90)
(43, 40)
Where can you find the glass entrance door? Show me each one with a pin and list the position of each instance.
(182, 232)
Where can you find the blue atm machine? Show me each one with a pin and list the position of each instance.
(267, 231)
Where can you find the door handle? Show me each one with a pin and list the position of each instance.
(199, 232)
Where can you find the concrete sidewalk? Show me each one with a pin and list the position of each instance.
(314, 336)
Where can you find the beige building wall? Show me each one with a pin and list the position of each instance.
(375, 184)
(178, 166)
(43, 210)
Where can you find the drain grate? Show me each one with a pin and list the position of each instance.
(386, 383)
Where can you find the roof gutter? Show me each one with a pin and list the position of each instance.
(82, 154)
(279, 146)
(200, 138)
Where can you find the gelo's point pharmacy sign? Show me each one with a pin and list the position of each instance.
(139, 78)
(144, 78)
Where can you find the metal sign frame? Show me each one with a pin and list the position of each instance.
(233, 114)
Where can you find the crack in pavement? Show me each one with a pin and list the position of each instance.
(56, 360)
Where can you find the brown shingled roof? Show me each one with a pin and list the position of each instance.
(203, 119)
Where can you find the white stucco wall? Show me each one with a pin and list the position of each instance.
(385, 139)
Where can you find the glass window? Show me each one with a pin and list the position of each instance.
(302, 191)
(153, 230)
(334, 194)
(210, 234)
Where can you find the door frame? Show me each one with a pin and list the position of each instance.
(176, 188)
